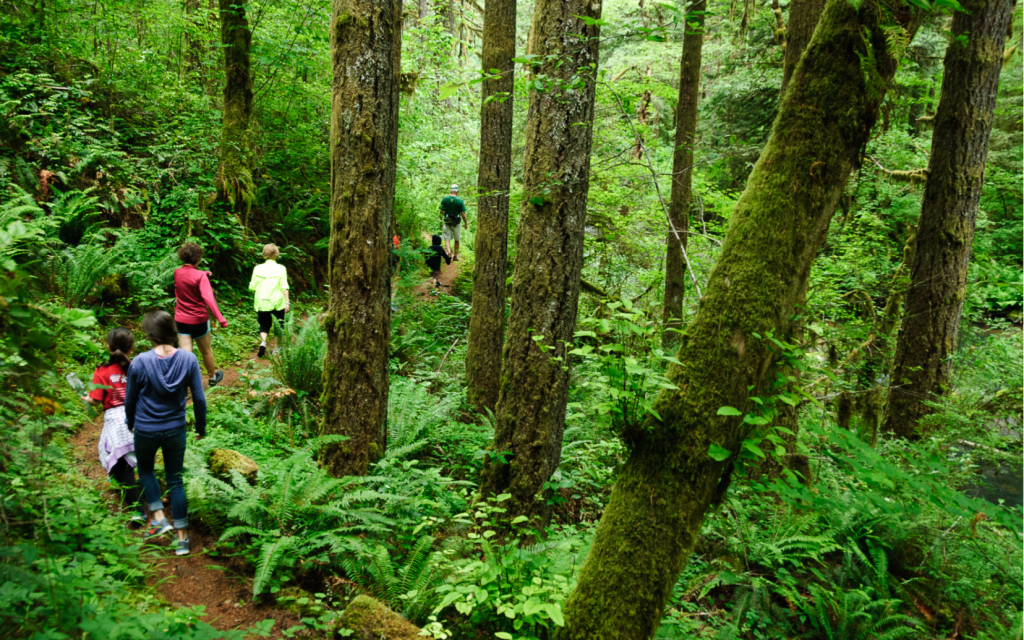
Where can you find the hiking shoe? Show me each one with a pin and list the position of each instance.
(159, 528)
(262, 352)
(217, 378)
(138, 516)
(455, 258)
(182, 548)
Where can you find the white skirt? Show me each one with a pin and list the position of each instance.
(116, 441)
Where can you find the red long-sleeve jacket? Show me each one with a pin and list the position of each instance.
(194, 293)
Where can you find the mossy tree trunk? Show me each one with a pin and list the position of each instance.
(682, 172)
(365, 53)
(487, 322)
(235, 188)
(530, 416)
(956, 171)
(668, 481)
(803, 18)
(193, 44)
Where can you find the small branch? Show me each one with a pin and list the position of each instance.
(446, 354)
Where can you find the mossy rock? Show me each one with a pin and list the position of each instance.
(223, 461)
(371, 620)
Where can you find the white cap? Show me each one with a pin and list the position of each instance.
(454, 187)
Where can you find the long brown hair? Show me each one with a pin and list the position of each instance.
(120, 341)
(160, 327)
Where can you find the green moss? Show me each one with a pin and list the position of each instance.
(371, 620)
(223, 461)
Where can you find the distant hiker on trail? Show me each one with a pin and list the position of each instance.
(270, 282)
(396, 260)
(117, 445)
(158, 385)
(434, 254)
(194, 293)
(453, 214)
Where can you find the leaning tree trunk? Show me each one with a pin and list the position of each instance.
(803, 18)
(235, 189)
(365, 52)
(530, 416)
(682, 172)
(487, 321)
(667, 483)
(956, 171)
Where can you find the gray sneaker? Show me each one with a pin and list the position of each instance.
(217, 377)
(159, 528)
(182, 548)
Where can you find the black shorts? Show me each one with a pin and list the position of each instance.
(196, 331)
(266, 319)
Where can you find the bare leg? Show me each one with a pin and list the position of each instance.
(456, 254)
(185, 342)
(206, 349)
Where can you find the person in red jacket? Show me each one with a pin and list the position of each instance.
(194, 294)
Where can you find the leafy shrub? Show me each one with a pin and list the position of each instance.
(78, 272)
(299, 363)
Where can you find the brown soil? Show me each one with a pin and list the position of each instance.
(221, 585)
(449, 272)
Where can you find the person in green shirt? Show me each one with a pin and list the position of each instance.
(453, 214)
(270, 282)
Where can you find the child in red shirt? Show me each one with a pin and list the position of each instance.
(117, 444)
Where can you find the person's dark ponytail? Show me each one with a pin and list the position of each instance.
(160, 328)
(120, 341)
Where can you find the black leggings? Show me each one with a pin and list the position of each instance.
(124, 474)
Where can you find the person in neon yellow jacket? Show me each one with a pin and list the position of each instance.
(270, 282)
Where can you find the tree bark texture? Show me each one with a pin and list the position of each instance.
(487, 321)
(682, 172)
(803, 18)
(235, 189)
(366, 58)
(956, 171)
(530, 416)
(193, 43)
(668, 481)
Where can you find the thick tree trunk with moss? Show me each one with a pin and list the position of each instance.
(487, 322)
(803, 18)
(656, 509)
(682, 172)
(956, 171)
(530, 416)
(365, 53)
(235, 188)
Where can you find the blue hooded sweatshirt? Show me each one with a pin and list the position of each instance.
(158, 391)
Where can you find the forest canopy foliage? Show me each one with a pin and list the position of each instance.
(122, 137)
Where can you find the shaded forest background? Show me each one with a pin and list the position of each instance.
(111, 156)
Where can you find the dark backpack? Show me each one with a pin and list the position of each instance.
(451, 218)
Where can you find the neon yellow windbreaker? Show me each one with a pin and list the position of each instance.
(269, 281)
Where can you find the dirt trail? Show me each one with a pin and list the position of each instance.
(220, 584)
(449, 272)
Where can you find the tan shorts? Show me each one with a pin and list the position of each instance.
(449, 232)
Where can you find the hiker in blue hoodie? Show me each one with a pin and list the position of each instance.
(158, 384)
(434, 255)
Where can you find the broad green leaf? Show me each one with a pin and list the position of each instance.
(719, 453)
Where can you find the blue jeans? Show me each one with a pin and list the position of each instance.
(172, 442)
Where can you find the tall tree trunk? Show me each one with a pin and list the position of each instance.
(530, 416)
(656, 509)
(366, 39)
(193, 44)
(803, 17)
(487, 322)
(682, 172)
(235, 189)
(956, 171)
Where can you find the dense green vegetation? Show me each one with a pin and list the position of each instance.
(109, 152)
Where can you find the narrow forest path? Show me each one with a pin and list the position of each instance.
(449, 272)
(220, 584)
